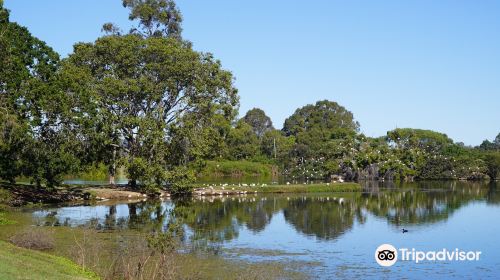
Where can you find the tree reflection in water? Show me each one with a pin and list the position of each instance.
(324, 216)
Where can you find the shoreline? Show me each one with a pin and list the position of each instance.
(20, 194)
(24, 194)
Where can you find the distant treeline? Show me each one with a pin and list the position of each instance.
(145, 102)
(322, 141)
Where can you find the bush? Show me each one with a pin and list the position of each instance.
(180, 181)
(34, 238)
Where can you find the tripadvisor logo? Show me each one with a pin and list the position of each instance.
(387, 255)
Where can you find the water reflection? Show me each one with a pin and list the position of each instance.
(325, 216)
(322, 217)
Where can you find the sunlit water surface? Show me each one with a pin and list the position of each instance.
(332, 235)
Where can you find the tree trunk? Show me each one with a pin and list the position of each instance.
(112, 169)
(133, 183)
(111, 180)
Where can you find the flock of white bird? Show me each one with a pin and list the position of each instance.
(245, 198)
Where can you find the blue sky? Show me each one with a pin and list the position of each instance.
(423, 64)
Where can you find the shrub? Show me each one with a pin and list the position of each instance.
(34, 238)
(180, 181)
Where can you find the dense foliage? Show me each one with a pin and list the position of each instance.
(143, 100)
(36, 137)
(322, 142)
(146, 102)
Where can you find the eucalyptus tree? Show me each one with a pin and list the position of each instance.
(158, 18)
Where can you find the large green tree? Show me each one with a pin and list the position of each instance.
(325, 132)
(313, 124)
(418, 153)
(144, 93)
(242, 142)
(259, 121)
(36, 139)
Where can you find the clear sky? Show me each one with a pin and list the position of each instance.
(416, 63)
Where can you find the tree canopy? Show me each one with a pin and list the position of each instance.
(138, 91)
(133, 99)
(36, 138)
(147, 102)
(157, 18)
(259, 121)
(319, 122)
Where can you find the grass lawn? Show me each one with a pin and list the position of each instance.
(311, 188)
(20, 263)
(241, 168)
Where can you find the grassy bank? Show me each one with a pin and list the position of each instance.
(235, 169)
(20, 263)
(96, 173)
(311, 188)
(115, 254)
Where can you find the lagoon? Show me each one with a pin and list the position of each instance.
(327, 235)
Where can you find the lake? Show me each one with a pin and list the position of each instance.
(328, 235)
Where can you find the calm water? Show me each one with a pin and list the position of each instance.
(334, 234)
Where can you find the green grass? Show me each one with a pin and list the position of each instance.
(240, 168)
(4, 220)
(312, 188)
(93, 173)
(20, 263)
